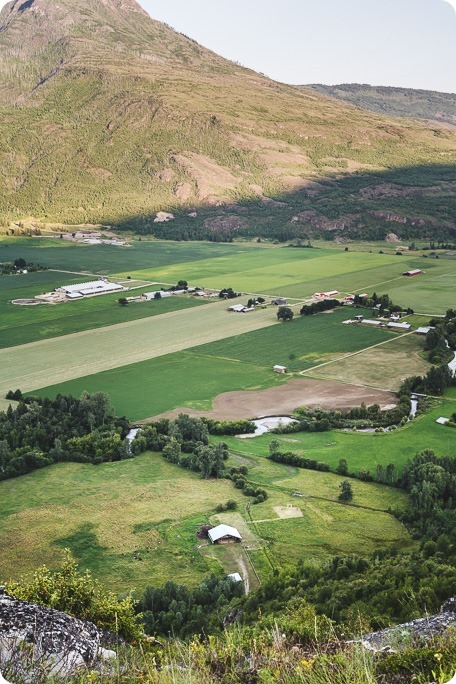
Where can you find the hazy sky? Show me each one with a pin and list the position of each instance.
(410, 43)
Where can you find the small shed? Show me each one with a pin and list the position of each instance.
(224, 534)
(235, 577)
(413, 272)
(280, 369)
(442, 421)
(279, 302)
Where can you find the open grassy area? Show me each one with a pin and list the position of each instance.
(183, 379)
(42, 363)
(361, 450)
(300, 343)
(107, 259)
(134, 522)
(386, 366)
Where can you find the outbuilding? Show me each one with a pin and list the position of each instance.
(424, 330)
(398, 326)
(279, 302)
(280, 369)
(224, 534)
(413, 272)
(235, 577)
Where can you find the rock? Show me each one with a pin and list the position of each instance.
(52, 640)
(163, 217)
(392, 237)
(420, 630)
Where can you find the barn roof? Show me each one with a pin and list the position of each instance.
(223, 531)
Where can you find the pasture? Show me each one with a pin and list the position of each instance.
(299, 344)
(361, 450)
(386, 366)
(134, 522)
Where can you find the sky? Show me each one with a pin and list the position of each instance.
(407, 43)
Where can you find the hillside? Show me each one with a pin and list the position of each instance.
(110, 117)
(417, 104)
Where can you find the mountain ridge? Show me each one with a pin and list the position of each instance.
(110, 117)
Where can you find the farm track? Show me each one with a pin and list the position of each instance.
(39, 364)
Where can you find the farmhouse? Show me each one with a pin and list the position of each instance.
(413, 272)
(279, 302)
(398, 326)
(280, 369)
(224, 534)
(94, 287)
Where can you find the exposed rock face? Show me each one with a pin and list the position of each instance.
(52, 640)
(416, 630)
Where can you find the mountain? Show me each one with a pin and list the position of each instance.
(110, 117)
(418, 104)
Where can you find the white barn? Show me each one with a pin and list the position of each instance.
(93, 287)
(224, 534)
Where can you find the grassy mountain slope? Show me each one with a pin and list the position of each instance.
(109, 116)
(419, 104)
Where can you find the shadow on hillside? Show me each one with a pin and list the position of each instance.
(411, 202)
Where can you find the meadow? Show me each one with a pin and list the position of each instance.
(134, 522)
(386, 366)
(361, 450)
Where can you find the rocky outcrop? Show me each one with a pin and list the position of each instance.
(34, 638)
(417, 631)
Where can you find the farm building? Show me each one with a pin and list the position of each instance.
(367, 321)
(224, 534)
(398, 326)
(240, 308)
(280, 369)
(154, 295)
(331, 293)
(442, 421)
(279, 302)
(424, 330)
(91, 288)
(413, 272)
(235, 576)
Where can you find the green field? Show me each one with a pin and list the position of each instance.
(134, 522)
(299, 344)
(21, 325)
(361, 450)
(184, 379)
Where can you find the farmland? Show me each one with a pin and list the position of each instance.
(362, 451)
(135, 522)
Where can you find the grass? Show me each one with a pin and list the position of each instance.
(183, 379)
(119, 520)
(361, 450)
(386, 366)
(21, 325)
(81, 354)
(134, 522)
(298, 344)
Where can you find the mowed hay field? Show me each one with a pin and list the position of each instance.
(134, 522)
(60, 359)
(386, 366)
(194, 378)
